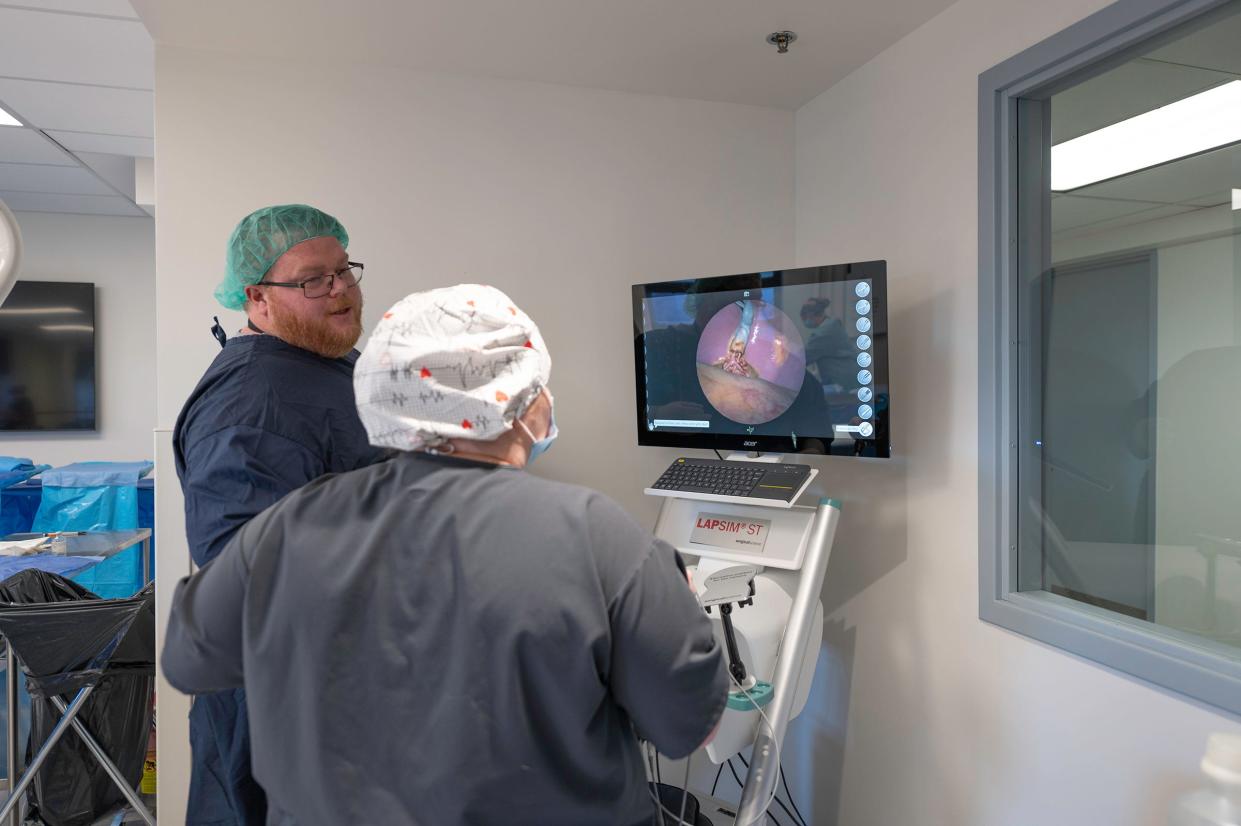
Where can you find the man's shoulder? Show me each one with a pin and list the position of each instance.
(254, 377)
(228, 390)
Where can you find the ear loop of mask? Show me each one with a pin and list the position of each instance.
(517, 419)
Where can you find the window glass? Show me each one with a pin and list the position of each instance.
(1130, 414)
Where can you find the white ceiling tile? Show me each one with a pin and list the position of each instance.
(1128, 90)
(1069, 212)
(1202, 180)
(18, 145)
(110, 144)
(117, 170)
(1121, 221)
(696, 49)
(1214, 47)
(69, 180)
(85, 204)
(99, 8)
(73, 49)
(81, 108)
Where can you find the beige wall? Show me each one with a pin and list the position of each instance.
(118, 255)
(562, 197)
(921, 712)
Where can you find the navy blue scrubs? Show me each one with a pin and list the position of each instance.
(265, 419)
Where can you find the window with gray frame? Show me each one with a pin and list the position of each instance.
(1110, 343)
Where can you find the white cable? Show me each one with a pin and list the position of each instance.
(684, 786)
(648, 769)
(775, 786)
(675, 820)
(660, 808)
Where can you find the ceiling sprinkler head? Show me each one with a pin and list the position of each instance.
(781, 40)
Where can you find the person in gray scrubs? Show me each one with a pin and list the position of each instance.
(443, 638)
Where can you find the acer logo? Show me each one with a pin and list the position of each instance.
(750, 444)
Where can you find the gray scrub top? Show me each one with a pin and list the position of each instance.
(435, 641)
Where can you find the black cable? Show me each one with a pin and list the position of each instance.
(717, 779)
(717, 454)
(658, 775)
(780, 803)
(733, 769)
(789, 794)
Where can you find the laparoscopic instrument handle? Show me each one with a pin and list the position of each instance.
(735, 666)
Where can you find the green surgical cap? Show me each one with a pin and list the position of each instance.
(263, 236)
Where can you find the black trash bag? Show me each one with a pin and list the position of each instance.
(63, 649)
(32, 586)
(71, 788)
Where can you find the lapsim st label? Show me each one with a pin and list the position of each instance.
(729, 531)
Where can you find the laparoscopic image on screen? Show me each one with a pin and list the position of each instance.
(795, 361)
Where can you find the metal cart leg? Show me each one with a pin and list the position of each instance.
(10, 697)
(15, 795)
(106, 762)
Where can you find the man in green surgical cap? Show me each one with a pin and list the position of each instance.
(274, 411)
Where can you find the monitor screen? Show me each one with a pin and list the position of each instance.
(47, 357)
(788, 361)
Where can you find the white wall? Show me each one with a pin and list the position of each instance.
(118, 255)
(922, 713)
(561, 196)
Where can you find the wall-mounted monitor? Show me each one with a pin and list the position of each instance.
(785, 361)
(47, 357)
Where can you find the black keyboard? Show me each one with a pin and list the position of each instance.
(756, 480)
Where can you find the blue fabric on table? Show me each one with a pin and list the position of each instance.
(14, 470)
(146, 515)
(9, 478)
(106, 508)
(94, 474)
(97, 496)
(52, 563)
(20, 503)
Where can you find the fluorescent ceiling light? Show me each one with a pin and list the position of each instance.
(8, 120)
(67, 328)
(39, 310)
(1236, 199)
(1195, 124)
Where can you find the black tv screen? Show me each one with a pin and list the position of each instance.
(785, 361)
(47, 357)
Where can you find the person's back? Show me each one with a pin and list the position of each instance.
(448, 640)
(427, 661)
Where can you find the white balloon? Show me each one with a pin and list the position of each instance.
(10, 251)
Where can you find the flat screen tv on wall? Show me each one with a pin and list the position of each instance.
(47, 357)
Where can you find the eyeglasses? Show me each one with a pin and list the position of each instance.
(322, 285)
